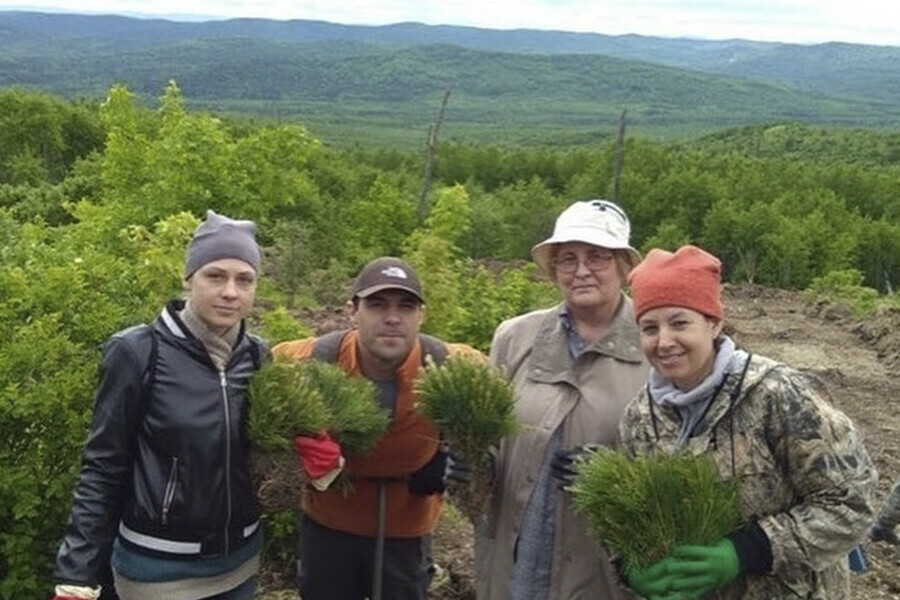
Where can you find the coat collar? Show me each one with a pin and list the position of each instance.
(732, 393)
(550, 360)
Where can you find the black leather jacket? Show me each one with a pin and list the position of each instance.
(167, 467)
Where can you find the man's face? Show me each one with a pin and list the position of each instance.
(388, 323)
(222, 293)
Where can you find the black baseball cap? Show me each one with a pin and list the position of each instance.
(387, 273)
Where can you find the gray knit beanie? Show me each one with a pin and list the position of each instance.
(219, 237)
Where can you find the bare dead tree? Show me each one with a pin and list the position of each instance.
(430, 151)
(618, 158)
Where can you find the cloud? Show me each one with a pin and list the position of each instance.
(803, 21)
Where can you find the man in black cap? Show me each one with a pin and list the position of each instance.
(374, 541)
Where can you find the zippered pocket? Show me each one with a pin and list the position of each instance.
(169, 494)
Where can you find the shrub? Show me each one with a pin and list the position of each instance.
(278, 325)
(843, 287)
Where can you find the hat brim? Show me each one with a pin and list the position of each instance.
(364, 293)
(542, 253)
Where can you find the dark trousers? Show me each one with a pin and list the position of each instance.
(335, 565)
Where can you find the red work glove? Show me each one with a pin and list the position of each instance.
(319, 455)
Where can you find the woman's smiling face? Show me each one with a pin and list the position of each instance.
(679, 343)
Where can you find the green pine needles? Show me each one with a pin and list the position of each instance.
(291, 398)
(469, 402)
(641, 508)
(357, 420)
(283, 404)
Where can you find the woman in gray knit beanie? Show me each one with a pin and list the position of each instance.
(165, 497)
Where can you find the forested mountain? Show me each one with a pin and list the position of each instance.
(357, 83)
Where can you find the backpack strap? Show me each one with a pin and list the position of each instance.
(143, 340)
(433, 347)
(328, 346)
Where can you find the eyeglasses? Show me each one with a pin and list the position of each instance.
(596, 261)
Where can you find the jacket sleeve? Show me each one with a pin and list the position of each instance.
(500, 349)
(104, 482)
(466, 351)
(632, 439)
(889, 516)
(295, 350)
(832, 476)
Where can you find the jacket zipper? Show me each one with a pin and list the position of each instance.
(224, 383)
(169, 494)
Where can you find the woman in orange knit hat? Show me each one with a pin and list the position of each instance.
(805, 481)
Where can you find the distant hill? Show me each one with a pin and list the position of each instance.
(356, 82)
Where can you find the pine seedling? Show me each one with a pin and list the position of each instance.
(469, 402)
(642, 508)
(284, 403)
(357, 421)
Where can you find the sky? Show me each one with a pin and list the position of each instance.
(794, 21)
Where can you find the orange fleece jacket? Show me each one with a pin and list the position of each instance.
(408, 445)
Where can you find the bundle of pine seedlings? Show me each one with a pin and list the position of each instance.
(640, 509)
(471, 404)
(290, 398)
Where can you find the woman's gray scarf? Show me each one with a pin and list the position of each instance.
(692, 404)
(219, 347)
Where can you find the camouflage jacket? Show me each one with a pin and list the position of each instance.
(889, 517)
(803, 475)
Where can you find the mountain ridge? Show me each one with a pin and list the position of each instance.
(330, 74)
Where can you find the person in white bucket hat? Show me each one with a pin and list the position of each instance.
(574, 368)
(596, 222)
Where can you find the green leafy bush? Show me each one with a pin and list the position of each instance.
(843, 287)
(641, 508)
(279, 325)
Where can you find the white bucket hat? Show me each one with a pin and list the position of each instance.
(596, 222)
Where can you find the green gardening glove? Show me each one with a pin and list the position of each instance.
(651, 582)
(697, 570)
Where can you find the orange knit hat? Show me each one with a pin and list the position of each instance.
(689, 278)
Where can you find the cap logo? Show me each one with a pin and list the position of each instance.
(394, 272)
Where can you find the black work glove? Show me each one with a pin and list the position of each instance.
(444, 467)
(564, 466)
(880, 533)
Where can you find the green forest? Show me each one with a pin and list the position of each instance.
(380, 85)
(98, 200)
